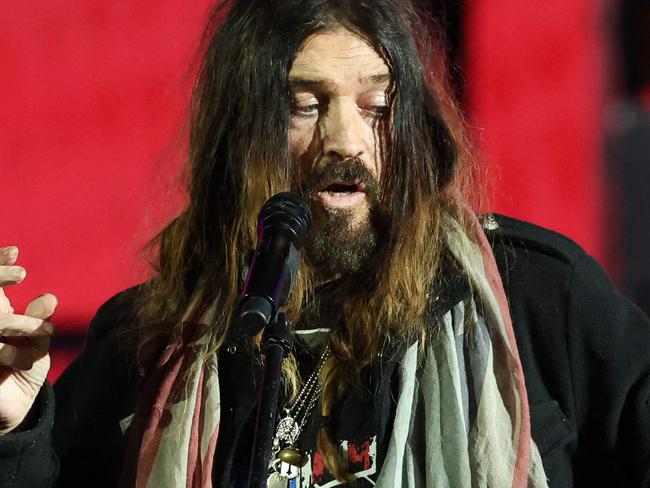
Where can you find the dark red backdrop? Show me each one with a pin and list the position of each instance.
(94, 95)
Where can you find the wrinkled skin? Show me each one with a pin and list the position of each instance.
(25, 340)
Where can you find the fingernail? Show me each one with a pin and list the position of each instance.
(20, 273)
(50, 293)
(11, 252)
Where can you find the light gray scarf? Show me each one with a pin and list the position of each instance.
(462, 419)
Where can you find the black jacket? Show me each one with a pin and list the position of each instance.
(585, 351)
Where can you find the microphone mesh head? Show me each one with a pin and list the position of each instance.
(288, 213)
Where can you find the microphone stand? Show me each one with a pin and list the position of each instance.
(276, 345)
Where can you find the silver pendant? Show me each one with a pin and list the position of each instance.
(276, 481)
(288, 430)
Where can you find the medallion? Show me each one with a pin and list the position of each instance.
(288, 430)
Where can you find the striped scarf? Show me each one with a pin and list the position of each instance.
(461, 418)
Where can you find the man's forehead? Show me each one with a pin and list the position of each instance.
(296, 80)
(335, 57)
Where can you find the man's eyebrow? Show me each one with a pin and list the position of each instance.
(377, 79)
(306, 83)
(298, 82)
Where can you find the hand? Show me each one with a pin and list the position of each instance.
(24, 344)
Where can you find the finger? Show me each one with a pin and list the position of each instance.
(8, 255)
(11, 275)
(42, 307)
(12, 325)
(41, 344)
(16, 357)
(5, 304)
(38, 346)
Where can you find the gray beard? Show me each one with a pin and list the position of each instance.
(334, 248)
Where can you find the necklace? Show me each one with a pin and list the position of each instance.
(288, 458)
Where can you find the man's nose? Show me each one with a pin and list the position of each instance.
(343, 131)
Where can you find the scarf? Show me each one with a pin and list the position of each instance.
(461, 419)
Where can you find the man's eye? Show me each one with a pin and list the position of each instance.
(305, 110)
(375, 111)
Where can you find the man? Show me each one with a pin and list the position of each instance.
(429, 351)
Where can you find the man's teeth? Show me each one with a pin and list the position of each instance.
(338, 193)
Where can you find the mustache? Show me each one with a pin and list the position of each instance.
(348, 169)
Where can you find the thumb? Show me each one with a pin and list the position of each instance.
(5, 305)
(42, 307)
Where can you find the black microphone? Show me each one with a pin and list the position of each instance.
(284, 222)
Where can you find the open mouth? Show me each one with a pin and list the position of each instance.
(342, 193)
(343, 188)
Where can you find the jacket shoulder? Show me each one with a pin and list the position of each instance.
(117, 310)
(515, 234)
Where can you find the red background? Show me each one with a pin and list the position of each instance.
(94, 96)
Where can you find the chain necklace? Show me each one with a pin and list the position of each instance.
(288, 458)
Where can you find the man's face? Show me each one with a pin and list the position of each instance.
(340, 87)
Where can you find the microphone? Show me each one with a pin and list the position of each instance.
(284, 222)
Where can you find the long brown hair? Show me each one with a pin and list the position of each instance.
(238, 157)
